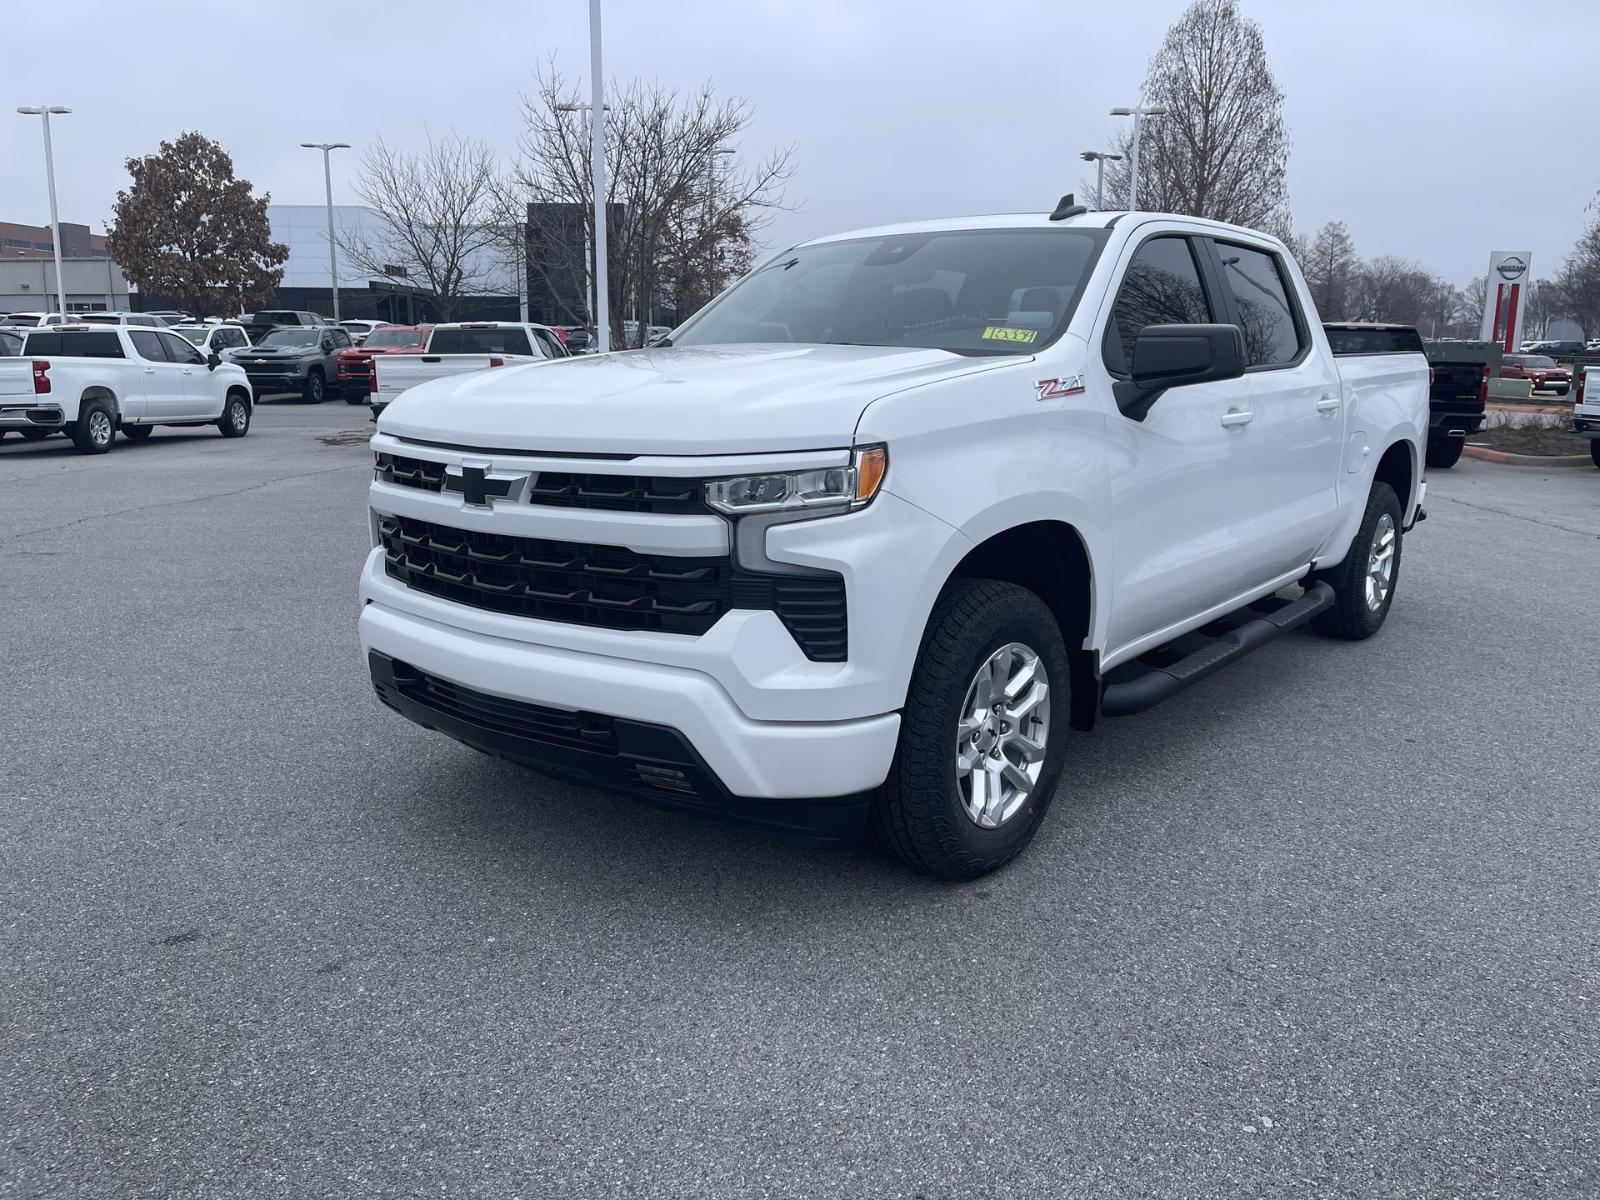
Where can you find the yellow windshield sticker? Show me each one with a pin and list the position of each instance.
(1007, 333)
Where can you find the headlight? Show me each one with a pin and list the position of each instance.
(831, 487)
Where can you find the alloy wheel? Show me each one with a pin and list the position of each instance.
(1380, 563)
(1002, 735)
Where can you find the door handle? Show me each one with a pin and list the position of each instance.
(149, 370)
(1237, 416)
(1328, 403)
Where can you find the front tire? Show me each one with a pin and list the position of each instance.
(982, 736)
(316, 388)
(95, 428)
(1445, 452)
(1364, 583)
(235, 419)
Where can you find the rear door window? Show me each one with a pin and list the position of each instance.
(1273, 332)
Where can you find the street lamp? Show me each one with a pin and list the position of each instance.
(597, 162)
(44, 112)
(716, 257)
(327, 179)
(1099, 158)
(1138, 112)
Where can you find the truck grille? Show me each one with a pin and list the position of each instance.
(410, 472)
(594, 732)
(609, 587)
(567, 489)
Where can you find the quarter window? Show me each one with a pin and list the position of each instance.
(1272, 335)
(1162, 287)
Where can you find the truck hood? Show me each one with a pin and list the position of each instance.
(734, 399)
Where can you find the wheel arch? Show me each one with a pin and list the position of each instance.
(1051, 558)
(99, 391)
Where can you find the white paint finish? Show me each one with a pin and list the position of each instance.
(776, 760)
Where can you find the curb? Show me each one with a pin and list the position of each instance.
(1485, 454)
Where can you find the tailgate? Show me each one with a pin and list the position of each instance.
(16, 379)
(1588, 392)
(396, 373)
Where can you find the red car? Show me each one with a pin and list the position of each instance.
(355, 364)
(1538, 369)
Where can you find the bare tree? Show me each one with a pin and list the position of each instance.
(1391, 289)
(1546, 302)
(677, 224)
(438, 210)
(1580, 281)
(1329, 263)
(1222, 149)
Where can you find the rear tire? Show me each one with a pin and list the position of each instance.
(316, 388)
(235, 419)
(1445, 452)
(137, 433)
(925, 811)
(95, 428)
(1364, 583)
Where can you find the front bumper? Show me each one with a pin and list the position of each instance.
(275, 380)
(669, 718)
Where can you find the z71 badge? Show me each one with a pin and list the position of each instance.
(1049, 389)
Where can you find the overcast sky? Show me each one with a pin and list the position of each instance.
(1436, 129)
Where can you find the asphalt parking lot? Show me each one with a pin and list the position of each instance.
(1324, 926)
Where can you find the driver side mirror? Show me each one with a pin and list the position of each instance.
(1169, 356)
(213, 361)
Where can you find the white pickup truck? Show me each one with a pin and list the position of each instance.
(89, 381)
(892, 520)
(1586, 407)
(460, 349)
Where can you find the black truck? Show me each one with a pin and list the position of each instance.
(1459, 391)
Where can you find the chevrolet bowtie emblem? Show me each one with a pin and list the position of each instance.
(477, 487)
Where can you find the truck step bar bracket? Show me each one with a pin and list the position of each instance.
(1164, 672)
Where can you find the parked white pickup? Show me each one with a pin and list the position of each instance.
(88, 381)
(1586, 408)
(461, 349)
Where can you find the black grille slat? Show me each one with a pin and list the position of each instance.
(554, 726)
(609, 587)
(617, 493)
(409, 472)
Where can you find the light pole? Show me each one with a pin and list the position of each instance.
(721, 152)
(44, 112)
(1138, 112)
(597, 162)
(1099, 158)
(597, 158)
(327, 179)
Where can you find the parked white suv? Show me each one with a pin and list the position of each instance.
(889, 520)
(89, 381)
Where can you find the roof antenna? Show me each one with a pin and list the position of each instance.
(1068, 208)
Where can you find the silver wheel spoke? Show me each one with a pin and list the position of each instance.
(1030, 750)
(1036, 696)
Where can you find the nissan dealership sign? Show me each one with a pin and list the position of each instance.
(1504, 302)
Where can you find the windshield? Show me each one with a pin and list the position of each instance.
(29, 320)
(403, 339)
(99, 318)
(288, 338)
(1538, 360)
(978, 292)
(197, 336)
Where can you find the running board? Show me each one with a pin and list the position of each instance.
(1167, 670)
